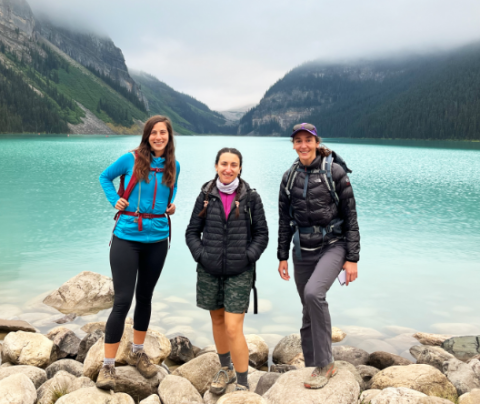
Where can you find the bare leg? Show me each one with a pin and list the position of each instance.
(219, 334)
(236, 340)
(111, 350)
(139, 337)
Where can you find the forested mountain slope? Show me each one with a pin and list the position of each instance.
(422, 97)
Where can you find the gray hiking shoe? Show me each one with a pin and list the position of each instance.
(320, 376)
(142, 362)
(222, 379)
(241, 387)
(106, 379)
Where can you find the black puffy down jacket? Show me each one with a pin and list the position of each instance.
(225, 248)
(318, 209)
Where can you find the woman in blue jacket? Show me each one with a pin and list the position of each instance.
(140, 239)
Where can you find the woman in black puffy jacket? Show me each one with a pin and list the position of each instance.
(226, 236)
(319, 213)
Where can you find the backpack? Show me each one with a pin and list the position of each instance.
(248, 210)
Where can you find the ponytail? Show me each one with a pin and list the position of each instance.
(237, 196)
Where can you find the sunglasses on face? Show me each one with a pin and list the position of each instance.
(306, 126)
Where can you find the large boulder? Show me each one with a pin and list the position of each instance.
(210, 398)
(470, 398)
(265, 382)
(342, 365)
(86, 293)
(157, 346)
(130, 381)
(57, 386)
(430, 355)
(288, 347)
(289, 388)
(182, 350)
(178, 390)
(350, 354)
(431, 339)
(86, 343)
(17, 389)
(423, 378)
(461, 375)
(367, 373)
(26, 348)
(241, 397)
(200, 371)
(7, 326)
(382, 360)
(66, 341)
(475, 365)
(94, 360)
(68, 365)
(92, 395)
(257, 351)
(253, 379)
(463, 348)
(400, 395)
(36, 375)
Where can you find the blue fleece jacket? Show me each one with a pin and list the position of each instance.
(153, 229)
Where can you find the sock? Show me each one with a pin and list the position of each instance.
(225, 360)
(108, 361)
(242, 378)
(136, 347)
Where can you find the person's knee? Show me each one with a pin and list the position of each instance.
(312, 295)
(218, 318)
(122, 307)
(233, 331)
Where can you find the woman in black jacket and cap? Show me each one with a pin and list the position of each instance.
(319, 213)
(226, 236)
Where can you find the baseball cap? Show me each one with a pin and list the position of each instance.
(308, 127)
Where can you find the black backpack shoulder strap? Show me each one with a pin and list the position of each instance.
(248, 211)
(327, 163)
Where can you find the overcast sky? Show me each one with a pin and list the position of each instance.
(228, 53)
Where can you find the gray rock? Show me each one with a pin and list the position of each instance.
(92, 327)
(207, 349)
(36, 375)
(367, 396)
(200, 371)
(350, 354)
(17, 389)
(400, 395)
(182, 350)
(282, 368)
(68, 365)
(27, 348)
(66, 341)
(241, 397)
(86, 293)
(210, 398)
(86, 343)
(66, 319)
(431, 339)
(257, 350)
(253, 379)
(430, 355)
(367, 373)
(176, 389)
(288, 347)
(341, 389)
(50, 390)
(382, 360)
(463, 348)
(90, 395)
(7, 326)
(130, 381)
(342, 365)
(475, 365)
(461, 375)
(266, 381)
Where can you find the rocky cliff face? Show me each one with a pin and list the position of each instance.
(90, 50)
(17, 24)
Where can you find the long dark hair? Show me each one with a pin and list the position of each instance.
(203, 213)
(144, 153)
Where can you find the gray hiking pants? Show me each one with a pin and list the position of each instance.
(314, 275)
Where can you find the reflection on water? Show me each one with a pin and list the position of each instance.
(418, 215)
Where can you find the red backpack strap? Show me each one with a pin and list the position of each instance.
(125, 193)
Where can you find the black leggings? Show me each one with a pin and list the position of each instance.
(127, 259)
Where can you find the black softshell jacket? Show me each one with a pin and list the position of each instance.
(318, 209)
(222, 246)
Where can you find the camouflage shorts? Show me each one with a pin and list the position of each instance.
(231, 292)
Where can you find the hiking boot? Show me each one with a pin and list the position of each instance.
(106, 379)
(282, 368)
(142, 362)
(320, 376)
(241, 387)
(222, 379)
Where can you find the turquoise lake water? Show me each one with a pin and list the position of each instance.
(418, 208)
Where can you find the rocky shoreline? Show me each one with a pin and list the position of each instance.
(61, 364)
